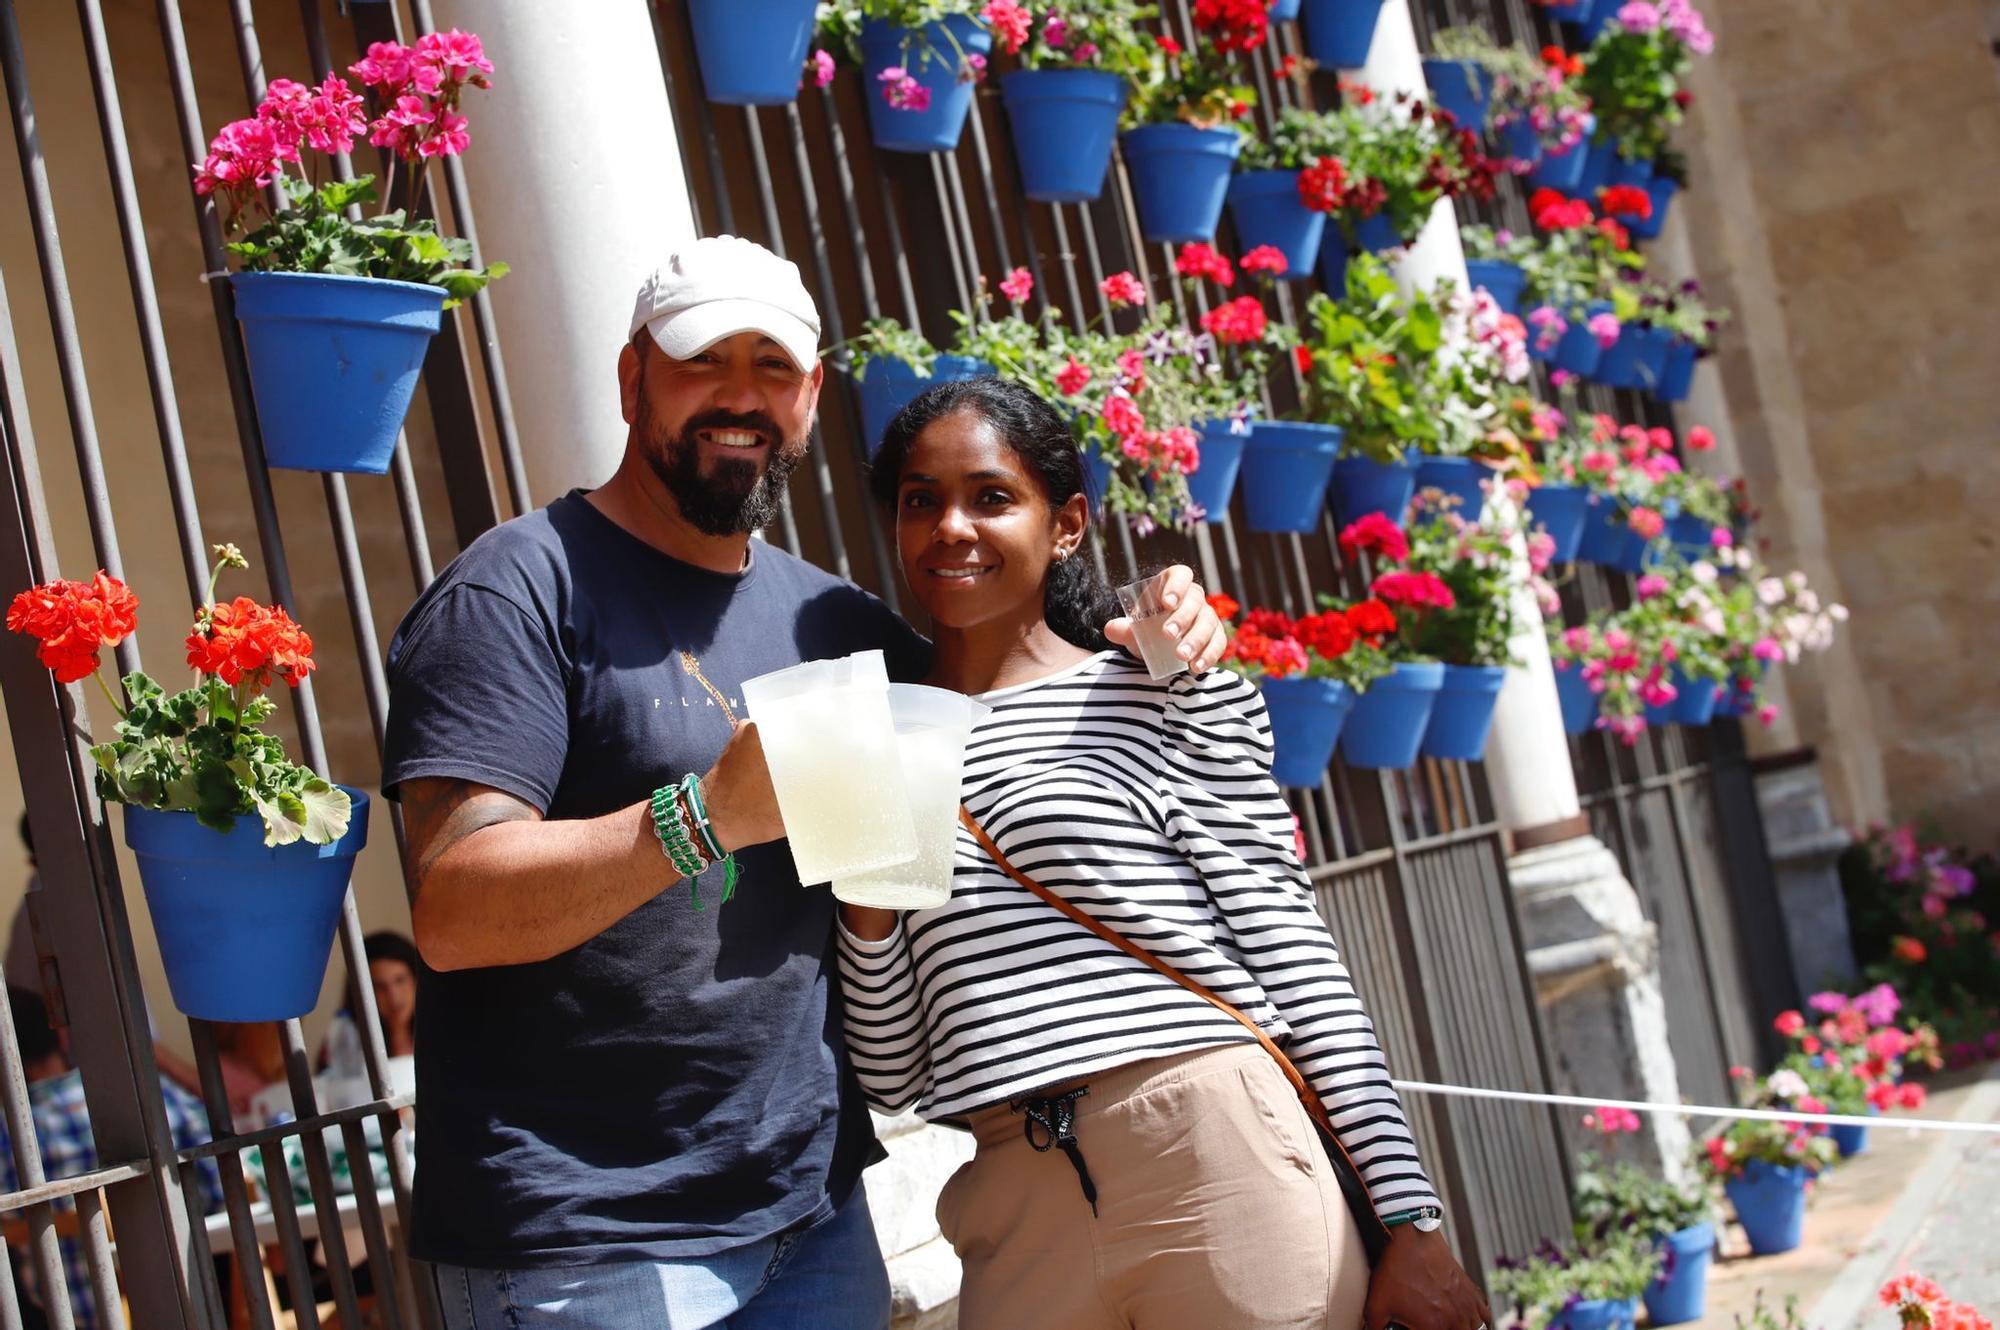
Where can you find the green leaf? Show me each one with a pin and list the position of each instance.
(327, 810)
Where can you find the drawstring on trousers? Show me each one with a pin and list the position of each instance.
(1056, 1116)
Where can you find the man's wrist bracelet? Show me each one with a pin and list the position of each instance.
(1423, 1218)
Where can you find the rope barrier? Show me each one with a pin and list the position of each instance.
(1695, 1110)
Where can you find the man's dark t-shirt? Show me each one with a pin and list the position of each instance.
(678, 1085)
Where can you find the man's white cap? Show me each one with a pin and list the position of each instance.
(721, 286)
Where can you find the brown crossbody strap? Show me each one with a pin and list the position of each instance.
(1308, 1097)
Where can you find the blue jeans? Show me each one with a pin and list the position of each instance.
(827, 1277)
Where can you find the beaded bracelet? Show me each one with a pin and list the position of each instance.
(675, 842)
(680, 820)
(697, 815)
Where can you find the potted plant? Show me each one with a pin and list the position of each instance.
(1576, 1289)
(1579, 262)
(1633, 75)
(1855, 1056)
(1464, 69)
(1495, 261)
(1623, 1200)
(891, 365)
(1338, 33)
(1387, 727)
(1764, 1166)
(1310, 671)
(1541, 118)
(241, 852)
(1064, 101)
(751, 52)
(1183, 139)
(920, 58)
(1560, 487)
(337, 313)
(1471, 636)
(1693, 324)
(1485, 356)
(1286, 185)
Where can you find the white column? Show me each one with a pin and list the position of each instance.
(576, 182)
(1527, 757)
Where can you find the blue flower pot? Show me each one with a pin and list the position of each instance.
(1638, 359)
(244, 929)
(1333, 259)
(1378, 234)
(1387, 725)
(1579, 704)
(1630, 170)
(1519, 142)
(932, 57)
(1678, 376)
(1285, 472)
(1463, 714)
(1608, 541)
(1596, 170)
(1096, 480)
(1680, 1294)
(1661, 189)
(1180, 176)
(1212, 484)
(1770, 1202)
(1306, 720)
(1738, 699)
(752, 52)
(1559, 510)
(1281, 10)
(1265, 209)
(1504, 281)
(1579, 351)
(1362, 485)
(1596, 1314)
(1573, 11)
(890, 385)
(1691, 536)
(1065, 123)
(1849, 1139)
(333, 364)
(1563, 170)
(1460, 478)
(1338, 33)
(1695, 706)
(1602, 12)
(1462, 88)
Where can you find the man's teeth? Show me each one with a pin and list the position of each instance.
(736, 438)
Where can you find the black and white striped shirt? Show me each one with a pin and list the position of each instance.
(1151, 806)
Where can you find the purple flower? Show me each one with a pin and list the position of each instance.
(1828, 1003)
(1639, 16)
(1879, 1004)
(1055, 32)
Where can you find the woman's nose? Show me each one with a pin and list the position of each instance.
(954, 526)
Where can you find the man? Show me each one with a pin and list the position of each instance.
(62, 1128)
(634, 1100)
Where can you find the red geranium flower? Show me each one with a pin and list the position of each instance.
(1376, 533)
(1625, 201)
(1621, 239)
(1555, 211)
(1073, 377)
(1240, 320)
(1302, 356)
(1199, 260)
(1168, 44)
(1372, 621)
(74, 622)
(1225, 606)
(1417, 590)
(1264, 258)
(1323, 185)
(242, 640)
(1122, 288)
(1234, 25)
(1328, 633)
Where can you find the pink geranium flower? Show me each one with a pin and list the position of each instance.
(1018, 286)
(1122, 288)
(822, 68)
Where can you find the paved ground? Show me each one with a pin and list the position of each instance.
(1922, 1201)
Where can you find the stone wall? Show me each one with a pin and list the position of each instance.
(1846, 159)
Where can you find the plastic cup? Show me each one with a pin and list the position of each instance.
(830, 743)
(1149, 628)
(932, 727)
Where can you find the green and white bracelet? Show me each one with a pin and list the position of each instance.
(680, 820)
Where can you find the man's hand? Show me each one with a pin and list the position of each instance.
(742, 806)
(1419, 1284)
(1198, 629)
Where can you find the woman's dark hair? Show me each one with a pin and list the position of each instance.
(1075, 601)
(391, 946)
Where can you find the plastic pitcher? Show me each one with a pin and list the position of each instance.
(831, 746)
(932, 726)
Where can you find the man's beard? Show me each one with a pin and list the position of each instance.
(733, 498)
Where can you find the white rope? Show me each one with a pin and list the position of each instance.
(1697, 1110)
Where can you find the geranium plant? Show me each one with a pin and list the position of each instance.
(1367, 360)
(1345, 645)
(1855, 1054)
(199, 750)
(286, 148)
(1542, 92)
(1474, 619)
(1920, 1304)
(1623, 1199)
(1783, 1143)
(1390, 156)
(1075, 34)
(1541, 1286)
(1633, 74)
(1209, 85)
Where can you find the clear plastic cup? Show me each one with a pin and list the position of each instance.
(830, 743)
(1149, 628)
(932, 727)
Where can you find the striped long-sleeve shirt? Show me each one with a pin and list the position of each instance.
(1151, 806)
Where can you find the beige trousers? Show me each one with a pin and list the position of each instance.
(1217, 1209)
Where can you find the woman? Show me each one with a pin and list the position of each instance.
(1141, 1161)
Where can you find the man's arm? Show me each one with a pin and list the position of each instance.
(496, 884)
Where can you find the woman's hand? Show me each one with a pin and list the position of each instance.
(1419, 1284)
(1198, 629)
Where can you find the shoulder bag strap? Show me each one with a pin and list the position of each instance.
(1374, 1234)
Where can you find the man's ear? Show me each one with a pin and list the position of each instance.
(630, 367)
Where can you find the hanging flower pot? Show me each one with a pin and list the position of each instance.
(1362, 485)
(1694, 700)
(1519, 143)
(1559, 510)
(1625, 170)
(1661, 190)
(1265, 209)
(270, 911)
(1065, 122)
(1693, 538)
(1638, 359)
(1286, 466)
(333, 363)
(1562, 169)
(1459, 478)
(1595, 1314)
(1568, 11)
(1463, 714)
(1579, 704)
(1770, 1202)
(1282, 10)
(934, 89)
(1180, 177)
(1605, 532)
(752, 52)
(1680, 1293)
(1338, 33)
(1377, 234)
(1502, 280)
(1462, 88)
(888, 385)
(1306, 720)
(1579, 351)
(1096, 480)
(1678, 376)
(1602, 12)
(1387, 726)
(1333, 257)
(1212, 484)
